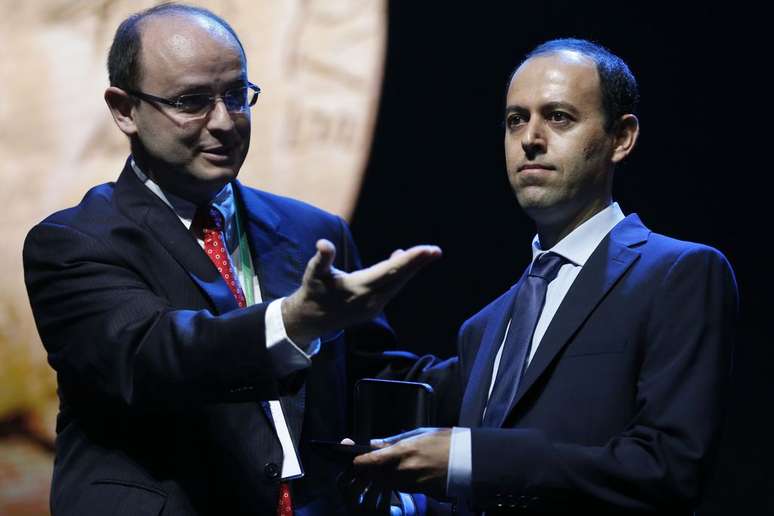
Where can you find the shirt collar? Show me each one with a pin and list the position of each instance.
(581, 242)
(185, 209)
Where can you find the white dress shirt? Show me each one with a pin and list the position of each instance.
(576, 247)
(285, 355)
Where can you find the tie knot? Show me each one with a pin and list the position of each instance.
(547, 266)
(208, 217)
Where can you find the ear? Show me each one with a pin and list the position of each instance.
(121, 106)
(626, 131)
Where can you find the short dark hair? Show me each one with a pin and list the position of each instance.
(617, 84)
(123, 62)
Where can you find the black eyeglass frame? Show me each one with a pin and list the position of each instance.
(177, 103)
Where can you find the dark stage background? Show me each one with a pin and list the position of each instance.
(437, 173)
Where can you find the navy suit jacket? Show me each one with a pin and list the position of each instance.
(620, 409)
(160, 375)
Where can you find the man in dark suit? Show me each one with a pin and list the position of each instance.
(195, 324)
(596, 383)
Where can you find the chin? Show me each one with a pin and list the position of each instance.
(542, 208)
(210, 172)
(534, 198)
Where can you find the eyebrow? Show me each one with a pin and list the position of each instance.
(514, 109)
(196, 87)
(550, 106)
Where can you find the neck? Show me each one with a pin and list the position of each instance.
(552, 232)
(180, 184)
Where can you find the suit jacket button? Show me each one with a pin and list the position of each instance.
(271, 470)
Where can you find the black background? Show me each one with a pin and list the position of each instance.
(437, 173)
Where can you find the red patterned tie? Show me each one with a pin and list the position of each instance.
(285, 503)
(209, 221)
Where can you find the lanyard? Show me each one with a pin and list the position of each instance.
(244, 256)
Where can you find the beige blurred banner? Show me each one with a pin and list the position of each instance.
(319, 64)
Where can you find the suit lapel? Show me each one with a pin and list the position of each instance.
(276, 256)
(139, 203)
(477, 390)
(609, 261)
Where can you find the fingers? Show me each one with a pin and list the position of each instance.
(377, 458)
(387, 452)
(419, 254)
(381, 443)
(383, 467)
(320, 264)
(400, 266)
(331, 299)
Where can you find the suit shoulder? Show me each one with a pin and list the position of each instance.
(654, 247)
(675, 249)
(76, 231)
(97, 202)
(93, 213)
(288, 207)
(667, 260)
(296, 217)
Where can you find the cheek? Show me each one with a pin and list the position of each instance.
(243, 128)
(172, 146)
(186, 134)
(167, 133)
(512, 151)
(593, 149)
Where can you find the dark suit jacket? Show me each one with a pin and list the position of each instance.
(161, 375)
(620, 409)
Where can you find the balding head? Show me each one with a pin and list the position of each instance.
(174, 45)
(125, 57)
(618, 89)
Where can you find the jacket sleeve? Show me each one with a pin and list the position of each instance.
(109, 336)
(657, 462)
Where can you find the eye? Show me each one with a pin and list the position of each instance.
(513, 120)
(236, 98)
(193, 103)
(559, 117)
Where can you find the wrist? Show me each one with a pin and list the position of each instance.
(300, 322)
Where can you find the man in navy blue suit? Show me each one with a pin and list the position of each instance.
(596, 384)
(202, 331)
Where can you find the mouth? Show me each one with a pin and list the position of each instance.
(218, 153)
(534, 166)
(218, 149)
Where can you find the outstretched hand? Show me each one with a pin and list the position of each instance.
(330, 299)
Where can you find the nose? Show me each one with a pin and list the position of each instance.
(533, 139)
(219, 119)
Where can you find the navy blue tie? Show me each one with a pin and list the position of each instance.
(524, 317)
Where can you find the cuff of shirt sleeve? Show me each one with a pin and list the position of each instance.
(286, 356)
(458, 479)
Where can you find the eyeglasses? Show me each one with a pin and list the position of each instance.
(199, 105)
